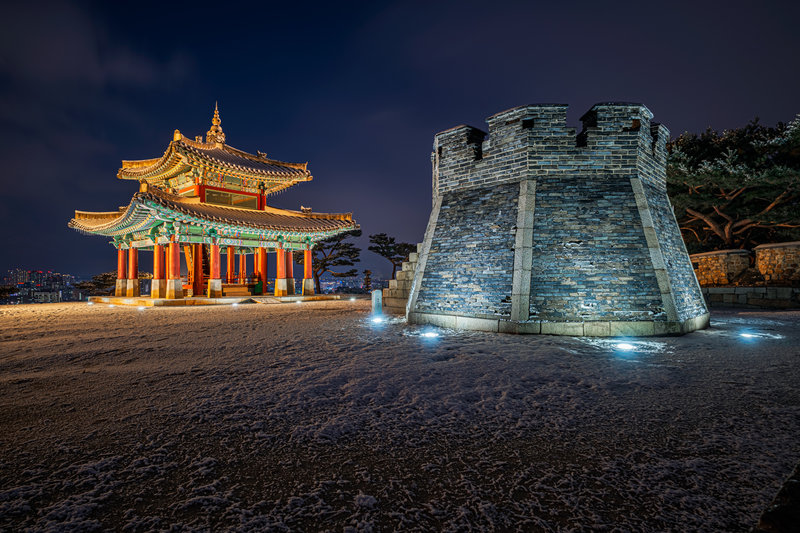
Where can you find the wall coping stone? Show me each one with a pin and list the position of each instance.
(738, 251)
(793, 244)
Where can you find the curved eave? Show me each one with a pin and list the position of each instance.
(148, 210)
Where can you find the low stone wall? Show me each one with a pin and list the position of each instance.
(779, 262)
(753, 297)
(720, 267)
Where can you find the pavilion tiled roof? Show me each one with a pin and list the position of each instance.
(183, 154)
(156, 204)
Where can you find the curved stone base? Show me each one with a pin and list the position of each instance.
(574, 329)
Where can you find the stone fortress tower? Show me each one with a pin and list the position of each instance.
(535, 229)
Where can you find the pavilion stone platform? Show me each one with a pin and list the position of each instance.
(147, 301)
(536, 229)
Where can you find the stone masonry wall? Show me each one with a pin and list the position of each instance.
(590, 256)
(689, 300)
(597, 240)
(472, 256)
(779, 263)
(720, 267)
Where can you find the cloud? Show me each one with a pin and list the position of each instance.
(59, 43)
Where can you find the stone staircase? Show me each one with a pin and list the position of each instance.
(396, 296)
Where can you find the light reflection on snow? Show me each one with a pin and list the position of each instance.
(752, 336)
(625, 348)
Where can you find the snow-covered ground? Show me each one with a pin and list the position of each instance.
(311, 416)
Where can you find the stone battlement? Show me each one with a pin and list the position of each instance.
(538, 229)
(616, 138)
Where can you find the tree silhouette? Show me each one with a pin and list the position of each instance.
(333, 252)
(738, 188)
(395, 252)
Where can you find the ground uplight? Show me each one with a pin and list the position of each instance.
(625, 346)
(430, 334)
(377, 319)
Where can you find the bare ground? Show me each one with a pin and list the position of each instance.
(312, 417)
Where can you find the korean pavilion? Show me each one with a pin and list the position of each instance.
(208, 199)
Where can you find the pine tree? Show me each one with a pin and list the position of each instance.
(395, 252)
(333, 252)
(738, 188)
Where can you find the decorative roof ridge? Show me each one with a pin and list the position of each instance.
(264, 159)
(162, 194)
(236, 151)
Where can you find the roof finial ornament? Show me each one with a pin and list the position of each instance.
(215, 134)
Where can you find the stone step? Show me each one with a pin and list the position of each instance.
(408, 266)
(395, 293)
(395, 302)
(413, 257)
(419, 247)
(392, 283)
(394, 310)
(405, 275)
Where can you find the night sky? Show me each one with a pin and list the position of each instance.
(356, 89)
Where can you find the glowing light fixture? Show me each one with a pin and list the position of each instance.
(91, 303)
(352, 299)
(430, 334)
(141, 308)
(377, 319)
(748, 335)
(625, 346)
(298, 301)
(111, 305)
(235, 304)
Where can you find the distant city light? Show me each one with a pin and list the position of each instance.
(624, 346)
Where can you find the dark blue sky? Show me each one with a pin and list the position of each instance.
(356, 89)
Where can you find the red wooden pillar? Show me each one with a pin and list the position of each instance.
(308, 273)
(133, 273)
(262, 268)
(214, 267)
(289, 255)
(281, 264)
(215, 279)
(230, 274)
(174, 271)
(158, 283)
(121, 287)
(284, 284)
(197, 266)
(174, 284)
(242, 268)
